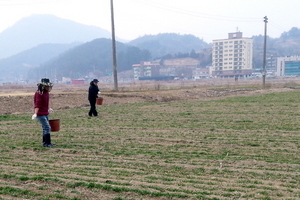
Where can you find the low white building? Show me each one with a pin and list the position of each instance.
(288, 66)
(146, 69)
(200, 73)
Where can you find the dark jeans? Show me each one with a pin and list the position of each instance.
(93, 110)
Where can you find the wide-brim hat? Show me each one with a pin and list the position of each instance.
(45, 82)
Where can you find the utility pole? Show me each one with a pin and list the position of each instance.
(114, 47)
(265, 52)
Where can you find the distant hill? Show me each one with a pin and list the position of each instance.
(169, 43)
(288, 44)
(17, 66)
(39, 29)
(91, 57)
(95, 57)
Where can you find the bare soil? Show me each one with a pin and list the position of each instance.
(19, 99)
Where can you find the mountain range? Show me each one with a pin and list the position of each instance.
(38, 29)
(17, 66)
(91, 57)
(169, 43)
(45, 45)
(46, 41)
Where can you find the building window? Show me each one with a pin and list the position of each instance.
(292, 68)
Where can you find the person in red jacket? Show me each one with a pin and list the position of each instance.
(41, 109)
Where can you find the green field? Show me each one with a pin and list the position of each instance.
(231, 148)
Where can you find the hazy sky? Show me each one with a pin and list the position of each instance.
(206, 19)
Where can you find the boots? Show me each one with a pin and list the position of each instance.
(47, 141)
(44, 141)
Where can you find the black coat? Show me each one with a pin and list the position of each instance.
(93, 91)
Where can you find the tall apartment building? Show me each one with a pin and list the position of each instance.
(232, 57)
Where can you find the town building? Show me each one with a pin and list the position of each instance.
(146, 69)
(165, 69)
(232, 57)
(179, 67)
(77, 81)
(201, 73)
(288, 66)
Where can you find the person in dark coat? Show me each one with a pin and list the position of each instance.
(93, 95)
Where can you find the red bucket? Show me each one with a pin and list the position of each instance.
(99, 101)
(55, 124)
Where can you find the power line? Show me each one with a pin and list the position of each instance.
(197, 14)
(278, 27)
(30, 2)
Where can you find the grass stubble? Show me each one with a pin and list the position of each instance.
(231, 148)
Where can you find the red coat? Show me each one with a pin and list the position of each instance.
(41, 101)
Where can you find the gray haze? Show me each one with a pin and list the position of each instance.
(38, 29)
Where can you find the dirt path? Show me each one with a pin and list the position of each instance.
(21, 100)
